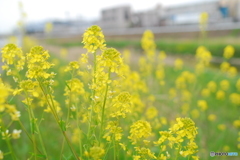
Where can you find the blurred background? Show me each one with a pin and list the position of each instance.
(179, 27)
(118, 19)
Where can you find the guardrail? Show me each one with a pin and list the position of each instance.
(173, 29)
(139, 31)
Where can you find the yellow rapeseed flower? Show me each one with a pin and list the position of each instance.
(224, 85)
(182, 132)
(37, 63)
(220, 95)
(212, 86)
(93, 39)
(203, 20)
(232, 71)
(96, 152)
(6, 134)
(228, 52)
(160, 74)
(122, 105)
(148, 43)
(188, 76)
(178, 64)
(199, 68)
(222, 127)
(63, 52)
(114, 132)
(16, 134)
(48, 27)
(5, 92)
(236, 123)
(205, 92)
(186, 95)
(180, 82)
(172, 93)
(202, 104)
(73, 65)
(145, 153)
(76, 135)
(111, 58)
(224, 66)
(126, 56)
(151, 112)
(162, 56)
(138, 130)
(226, 148)
(14, 60)
(235, 98)
(212, 117)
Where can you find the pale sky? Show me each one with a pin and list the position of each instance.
(49, 9)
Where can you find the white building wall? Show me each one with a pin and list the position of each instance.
(118, 17)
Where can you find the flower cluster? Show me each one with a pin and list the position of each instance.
(14, 60)
(183, 131)
(140, 129)
(93, 39)
(148, 43)
(111, 58)
(37, 64)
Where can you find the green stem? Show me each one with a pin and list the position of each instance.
(115, 150)
(10, 124)
(107, 150)
(31, 118)
(104, 104)
(53, 109)
(29, 137)
(80, 137)
(93, 94)
(24, 129)
(45, 95)
(41, 142)
(61, 153)
(8, 140)
(34, 146)
(178, 150)
(11, 149)
(69, 145)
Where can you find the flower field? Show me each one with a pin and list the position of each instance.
(102, 106)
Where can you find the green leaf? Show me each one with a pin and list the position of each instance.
(63, 125)
(33, 125)
(41, 156)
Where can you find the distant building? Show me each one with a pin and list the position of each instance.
(35, 27)
(117, 17)
(190, 13)
(234, 9)
(70, 26)
(122, 17)
(150, 18)
(219, 11)
(73, 26)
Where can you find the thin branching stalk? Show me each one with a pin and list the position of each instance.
(11, 149)
(80, 136)
(104, 102)
(53, 109)
(32, 116)
(93, 94)
(29, 137)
